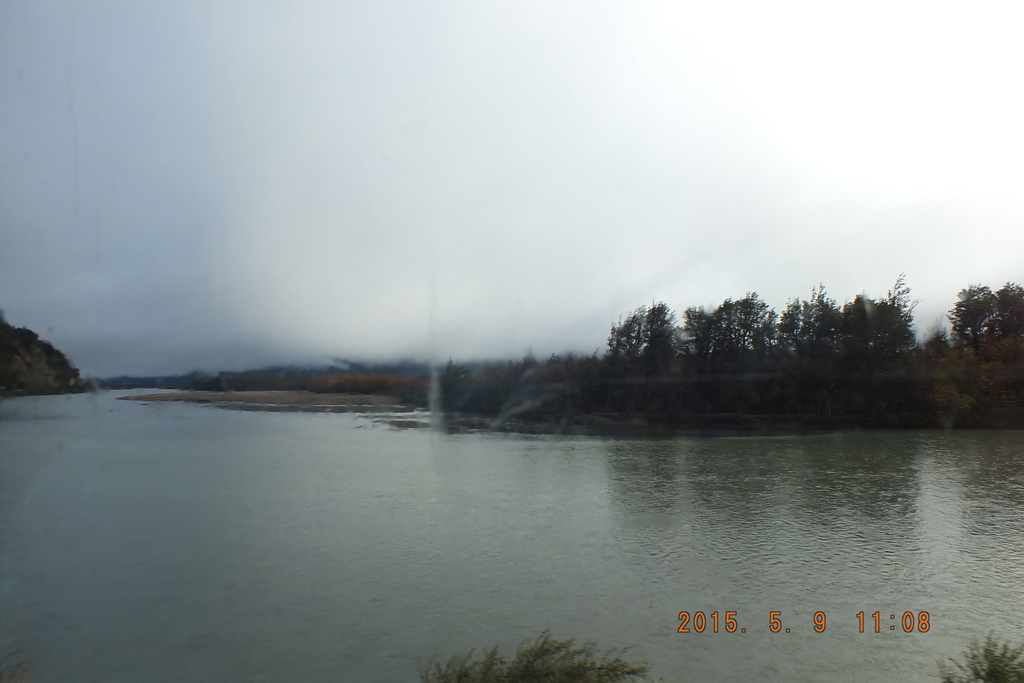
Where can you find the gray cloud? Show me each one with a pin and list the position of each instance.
(220, 185)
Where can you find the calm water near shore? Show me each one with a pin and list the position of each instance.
(174, 542)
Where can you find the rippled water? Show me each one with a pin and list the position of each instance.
(180, 542)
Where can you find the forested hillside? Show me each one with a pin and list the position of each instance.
(29, 365)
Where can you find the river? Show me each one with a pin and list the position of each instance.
(171, 542)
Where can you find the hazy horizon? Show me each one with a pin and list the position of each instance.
(222, 186)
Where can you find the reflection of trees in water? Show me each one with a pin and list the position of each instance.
(699, 503)
(975, 482)
(647, 475)
(650, 494)
(870, 480)
(992, 465)
(741, 478)
(873, 475)
(772, 496)
(870, 476)
(990, 469)
(827, 519)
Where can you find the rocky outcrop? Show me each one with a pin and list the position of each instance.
(29, 365)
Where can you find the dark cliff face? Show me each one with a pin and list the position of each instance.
(29, 365)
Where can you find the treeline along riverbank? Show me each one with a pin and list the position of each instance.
(740, 367)
(743, 366)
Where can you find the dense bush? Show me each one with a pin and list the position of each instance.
(988, 662)
(544, 660)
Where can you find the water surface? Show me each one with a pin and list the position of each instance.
(171, 542)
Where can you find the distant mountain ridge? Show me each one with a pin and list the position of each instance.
(30, 366)
(259, 376)
(152, 381)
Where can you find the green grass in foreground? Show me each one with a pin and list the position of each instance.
(988, 662)
(544, 660)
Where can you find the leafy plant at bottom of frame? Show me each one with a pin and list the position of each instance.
(544, 660)
(987, 662)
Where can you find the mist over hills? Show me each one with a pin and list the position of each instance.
(338, 366)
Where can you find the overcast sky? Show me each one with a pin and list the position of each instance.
(220, 184)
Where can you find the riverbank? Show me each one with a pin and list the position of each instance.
(282, 401)
(618, 426)
(456, 423)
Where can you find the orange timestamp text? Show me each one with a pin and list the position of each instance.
(700, 622)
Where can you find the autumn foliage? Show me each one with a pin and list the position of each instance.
(410, 389)
(817, 365)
